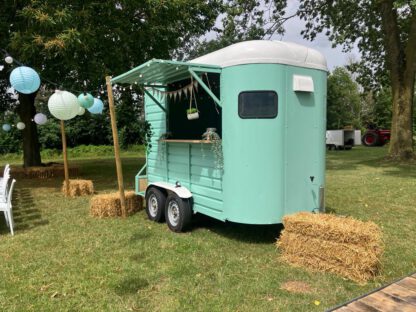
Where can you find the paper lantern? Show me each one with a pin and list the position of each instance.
(20, 125)
(97, 107)
(25, 80)
(6, 127)
(81, 111)
(40, 119)
(8, 59)
(63, 105)
(85, 100)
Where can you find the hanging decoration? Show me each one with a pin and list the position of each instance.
(25, 80)
(20, 125)
(63, 105)
(177, 93)
(8, 59)
(85, 100)
(81, 111)
(40, 119)
(6, 127)
(97, 107)
(192, 112)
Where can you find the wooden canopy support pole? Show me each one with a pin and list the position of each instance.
(116, 146)
(64, 152)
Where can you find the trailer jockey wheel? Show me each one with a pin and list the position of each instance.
(155, 204)
(178, 213)
(370, 139)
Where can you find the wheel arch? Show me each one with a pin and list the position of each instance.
(165, 187)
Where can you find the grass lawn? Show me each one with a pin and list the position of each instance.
(61, 259)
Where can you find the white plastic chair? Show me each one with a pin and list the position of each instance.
(3, 183)
(6, 171)
(6, 207)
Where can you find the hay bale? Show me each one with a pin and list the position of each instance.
(142, 185)
(344, 246)
(48, 171)
(78, 187)
(108, 205)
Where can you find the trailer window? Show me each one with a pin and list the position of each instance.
(257, 104)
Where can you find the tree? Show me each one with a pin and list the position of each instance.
(85, 40)
(343, 100)
(385, 33)
(241, 20)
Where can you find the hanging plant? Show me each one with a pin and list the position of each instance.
(192, 113)
(216, 146)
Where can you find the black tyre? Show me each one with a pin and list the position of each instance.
(178, 213)
(155, 204)
(370, 139)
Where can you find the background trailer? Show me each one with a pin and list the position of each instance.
(266, 101)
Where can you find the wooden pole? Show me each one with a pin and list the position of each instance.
(66, 171)
(116, 146)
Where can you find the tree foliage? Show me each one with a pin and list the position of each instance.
(343, 100)
(69, 42)
(241, 20)
(385, 33)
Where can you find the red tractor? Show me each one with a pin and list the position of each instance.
(375, 137)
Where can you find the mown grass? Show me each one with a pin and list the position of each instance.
(61, 259)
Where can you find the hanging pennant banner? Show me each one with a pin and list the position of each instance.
(185, 91)
(175, 94)
(196, 85)
(170, 95)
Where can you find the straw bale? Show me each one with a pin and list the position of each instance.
(333, 228)
(344, 246)
(43, 172)
(108, 205)
(78, 187)
(142, 185)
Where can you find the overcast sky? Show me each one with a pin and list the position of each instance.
(335, 57)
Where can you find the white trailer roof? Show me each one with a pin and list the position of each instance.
(265, 51)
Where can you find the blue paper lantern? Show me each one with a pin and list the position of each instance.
(97, 107)
(6, 127)
(25, 80)
(85, 100)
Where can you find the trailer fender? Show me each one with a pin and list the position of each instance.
(179, 190)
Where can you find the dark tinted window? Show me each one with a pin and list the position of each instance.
(257, 104)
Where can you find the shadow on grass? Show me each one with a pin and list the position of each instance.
(25, 214)
(130, 285)
(255, 234)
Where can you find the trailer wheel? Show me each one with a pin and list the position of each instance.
(178, 213)
(370, 139)
(155, 204)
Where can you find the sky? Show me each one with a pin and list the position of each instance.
(293, 27)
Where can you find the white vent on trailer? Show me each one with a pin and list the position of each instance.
(303, 83)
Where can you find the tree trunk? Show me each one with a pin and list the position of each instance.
(401, 141)
(31, 149)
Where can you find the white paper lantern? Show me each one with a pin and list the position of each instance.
(81, 111)
(40, 119)
(25, 79)
(63, 105)
(8, 59)
(20, 125)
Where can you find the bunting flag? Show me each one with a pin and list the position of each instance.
(188, 89)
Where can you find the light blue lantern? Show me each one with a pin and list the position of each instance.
(6, 127)
(25, 80)
(85, 100)
(97, 107)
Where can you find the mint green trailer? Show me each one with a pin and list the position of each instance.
(267, 100)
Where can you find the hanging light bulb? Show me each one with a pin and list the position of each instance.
(8, 59)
